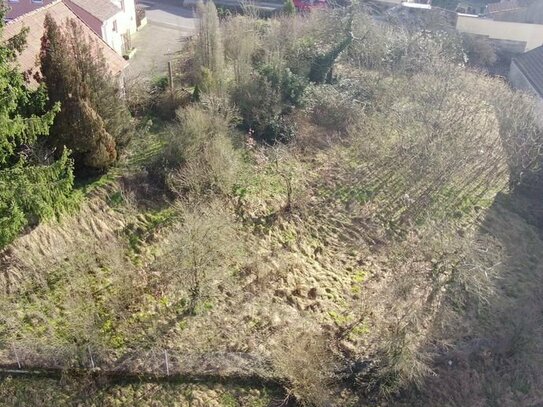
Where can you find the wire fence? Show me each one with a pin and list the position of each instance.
(156, 363)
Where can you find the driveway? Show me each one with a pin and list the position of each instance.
(167, 29)
(169, 13)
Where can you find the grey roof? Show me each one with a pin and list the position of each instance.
(531, 65)
(101, 9)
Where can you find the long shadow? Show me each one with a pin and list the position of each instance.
(495, 357)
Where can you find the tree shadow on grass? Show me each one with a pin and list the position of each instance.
(495, 357)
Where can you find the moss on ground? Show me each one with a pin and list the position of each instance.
(16, 391)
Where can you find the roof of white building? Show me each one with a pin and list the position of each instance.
(101, 9)
(531, 65)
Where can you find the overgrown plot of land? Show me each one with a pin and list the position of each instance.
(320, 197)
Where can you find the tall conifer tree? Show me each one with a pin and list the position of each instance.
(32, 185)
(94, 121)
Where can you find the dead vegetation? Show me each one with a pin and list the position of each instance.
(367, 260)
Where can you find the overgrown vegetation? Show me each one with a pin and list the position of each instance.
(343, 198)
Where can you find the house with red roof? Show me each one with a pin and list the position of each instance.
(28, 60)
(112, 20)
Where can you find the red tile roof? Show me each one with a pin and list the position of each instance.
(28, 59)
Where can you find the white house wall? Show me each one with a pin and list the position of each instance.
(113, 38)
(531, 34)
(128, 22)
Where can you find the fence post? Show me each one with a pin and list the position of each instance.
(16, 356)
(91, 358)
(170, 75)
(167, 362)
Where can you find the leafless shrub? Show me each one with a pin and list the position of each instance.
(440, 142)
(215, 168)
(189, 135)
(521, 131)
(304, 358)
(209, 51)
(332, 109)
(143, 97)
(199, 253)
(72, 306)
(479, 51)
(241, 42)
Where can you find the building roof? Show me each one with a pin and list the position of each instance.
(34, 21)
(505, 6)
(531, 65)
(101, 9)
(17, 9)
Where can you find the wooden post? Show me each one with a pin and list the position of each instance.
(170, 75)
(16, 356)
(167, 362)
(91, 358)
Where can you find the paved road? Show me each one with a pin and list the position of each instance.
(161, 39)
(169, 13)
(175, 5)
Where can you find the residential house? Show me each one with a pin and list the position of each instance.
(112, 20)
(34, 21)
(17, 8)
(518, 36)
(527, 73)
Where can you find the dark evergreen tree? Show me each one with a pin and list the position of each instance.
(94, 122)
(323, 64)
(289, 8)
(32, 185)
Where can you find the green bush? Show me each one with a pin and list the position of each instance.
(279, 129)
(160, 83)
(289, 8)
(290, 86)
(258, 102)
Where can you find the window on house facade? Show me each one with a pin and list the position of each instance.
(115, 26)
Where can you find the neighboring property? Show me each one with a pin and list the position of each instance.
(16, 8)
(424, 4)
(527, 73)
(113, 20)
(28, 59)
(529, 36)
(503, 8)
